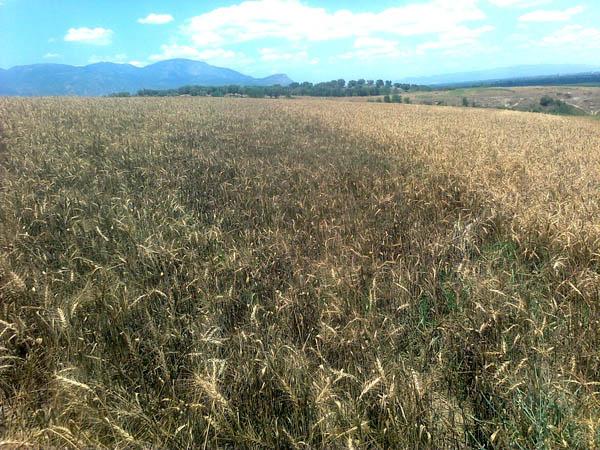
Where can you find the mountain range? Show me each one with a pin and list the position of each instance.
(503, 73)
(106, 78)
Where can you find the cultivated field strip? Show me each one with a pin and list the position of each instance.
(237, 273)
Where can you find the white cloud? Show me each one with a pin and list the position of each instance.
(551, 16)
(518, 3)
(271, 54)
(185, 51)
(137, 63)
(118, 58)
(51, 56)
(215, 56)
(453, 39)
(292, 20)
(573, 35)
(445, 23)
(156, 19)
(366, 48)
(97, 36)
(372, 42)
(450, 41)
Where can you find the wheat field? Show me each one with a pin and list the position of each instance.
(237, 273)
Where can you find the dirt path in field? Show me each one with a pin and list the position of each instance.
(579, 107)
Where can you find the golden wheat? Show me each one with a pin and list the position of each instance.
(236, 273)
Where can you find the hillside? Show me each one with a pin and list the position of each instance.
(583, 99)
(106, 78)
(588, 78)
(522, 72)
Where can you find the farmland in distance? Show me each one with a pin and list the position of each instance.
(579, 99)
(238, 273)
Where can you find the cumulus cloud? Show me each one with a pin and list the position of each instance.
(449, 41)
(51, 56)
(96, 36)
(378, 34)
(156, 19)
(294, 21)
(551, 16)
(185, 51)
(573, 35)
(216, 55)
(367, 47)
(459, 37)
(518, 3)
(271, 55)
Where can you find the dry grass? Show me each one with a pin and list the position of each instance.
(583, 98)
(297, 274)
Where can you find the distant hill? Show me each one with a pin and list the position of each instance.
(577, 79)
(106, 78)
(505, 73)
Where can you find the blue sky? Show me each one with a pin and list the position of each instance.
(307, 39)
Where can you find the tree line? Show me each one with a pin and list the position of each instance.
(335, 88)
